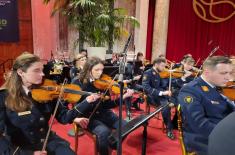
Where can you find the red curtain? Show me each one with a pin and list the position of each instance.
(187, 33)
(149, 42)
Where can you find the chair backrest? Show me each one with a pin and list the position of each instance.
(180, 125)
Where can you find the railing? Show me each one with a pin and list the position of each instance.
(6, 65)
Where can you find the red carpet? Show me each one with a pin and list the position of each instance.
(157, 142)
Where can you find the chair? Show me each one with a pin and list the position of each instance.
(181, 139)
(90, 135)
(147, 111)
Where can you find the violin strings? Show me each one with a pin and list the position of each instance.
(100, 101)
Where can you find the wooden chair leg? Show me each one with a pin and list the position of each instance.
(75, 138)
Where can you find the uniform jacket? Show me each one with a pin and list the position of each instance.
(202, 108)
(103, 107)
(28, 129)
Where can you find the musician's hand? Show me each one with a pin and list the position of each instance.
(167, 93)
(126, 81)
(83, 122)
(187, 74)
(40, 153)
(92, 98)
(137, 77)
(128, 93)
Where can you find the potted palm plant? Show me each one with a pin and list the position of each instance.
(99, 24)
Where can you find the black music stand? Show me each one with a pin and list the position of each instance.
(111, 70)
(141, 120)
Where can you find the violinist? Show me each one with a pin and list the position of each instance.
(133, 77)
(203, 107)
(180, 64)
(233, 65)
(104, 119)
(187, 72)
(157, 93)
(24, 121)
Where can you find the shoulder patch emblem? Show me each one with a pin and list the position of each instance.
(188, 99)
(205, 88)
(145, 77)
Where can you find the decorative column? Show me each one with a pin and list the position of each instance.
(160, 28)
(141, 32)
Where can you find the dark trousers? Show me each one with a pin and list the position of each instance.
(166, 112)
(101, 125)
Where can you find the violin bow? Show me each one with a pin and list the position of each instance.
(54, 113)
(210, 54)
(197, 61)
(170, 77)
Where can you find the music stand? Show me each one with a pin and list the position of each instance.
(111, 70)
(134, 124)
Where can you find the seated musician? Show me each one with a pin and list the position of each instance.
(104, 119)
(24, 121)
(152, 84)
(54, 68)
(202, 105)
(232, 58)
(84, 52)
(187, 72)
(133, 77)
(180, 64)
(78, 63)
(114, 60)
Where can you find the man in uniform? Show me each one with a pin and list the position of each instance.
(202, 105)
(154, 87)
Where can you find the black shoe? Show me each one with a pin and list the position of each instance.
(170, 135)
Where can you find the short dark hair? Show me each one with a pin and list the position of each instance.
(211, 62)
(83, 50)
(189, 60)
(159, 60)
(186, 56)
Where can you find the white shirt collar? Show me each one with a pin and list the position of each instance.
(26, 89)
(211, 85)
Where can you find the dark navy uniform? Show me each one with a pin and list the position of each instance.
(25, 132)
(103, 121)
(153, 84)
(202, 108)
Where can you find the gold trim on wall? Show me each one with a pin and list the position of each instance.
(200, 8)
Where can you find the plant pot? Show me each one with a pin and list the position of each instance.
(97, 51)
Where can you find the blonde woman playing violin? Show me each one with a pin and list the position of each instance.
(24, 121)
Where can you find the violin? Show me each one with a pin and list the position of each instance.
(106, 82)
(229, 90)
(166, 73)
(50, 90)
(176, 73)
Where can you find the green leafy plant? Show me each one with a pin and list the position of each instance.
(98, 22)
